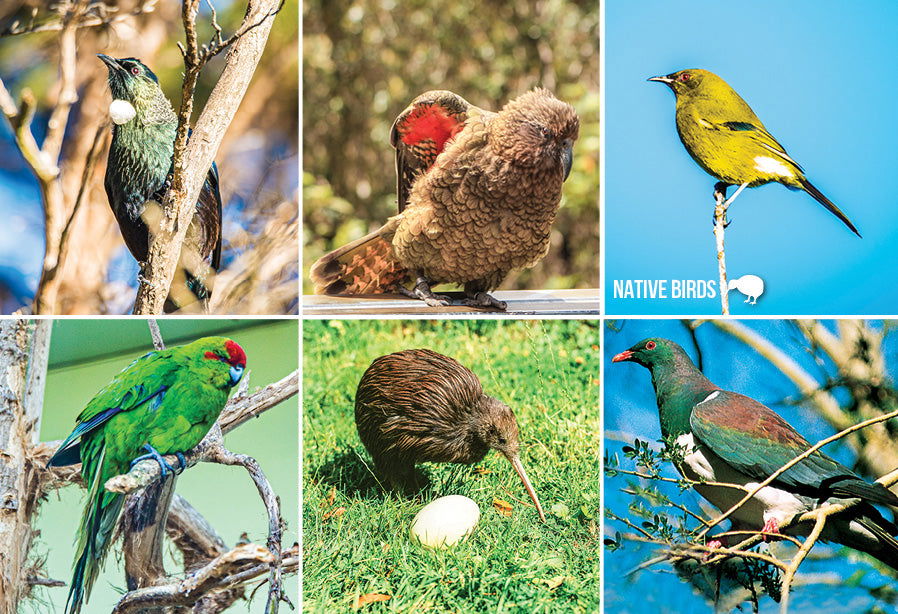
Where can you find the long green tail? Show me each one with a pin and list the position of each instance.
(94, 535)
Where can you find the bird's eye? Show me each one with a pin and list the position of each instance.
(547, 134)
(650, 345)
(684, 77)
(502, 440)
(135, 70)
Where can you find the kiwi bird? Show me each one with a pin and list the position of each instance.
(478, 192)
(419, 406)
(725, 137)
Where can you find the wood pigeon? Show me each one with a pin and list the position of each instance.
(733, 439)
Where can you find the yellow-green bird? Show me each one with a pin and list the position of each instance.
(725, 137)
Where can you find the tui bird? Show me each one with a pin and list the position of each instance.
(138, 174)
(163, 403)
(733, 439)
(418, 406)
(726, 138)
(478, 193)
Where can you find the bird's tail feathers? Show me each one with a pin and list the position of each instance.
(365, 266)
(872, 492)
(95, 534)
(808, 187)
(885, 531)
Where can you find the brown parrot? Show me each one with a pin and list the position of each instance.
(478, 192)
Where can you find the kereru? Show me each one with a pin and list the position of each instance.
(733, 439)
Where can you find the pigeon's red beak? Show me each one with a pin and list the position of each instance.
(625, 355)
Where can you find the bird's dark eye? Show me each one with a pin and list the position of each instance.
(547, 134)
(650, 345)
(684, 77)
(135, 70)
(502, 440)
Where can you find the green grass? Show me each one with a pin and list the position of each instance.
(548, 373)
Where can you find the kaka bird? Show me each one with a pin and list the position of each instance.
(478, 192)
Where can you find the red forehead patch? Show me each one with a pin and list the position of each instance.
(235, 353)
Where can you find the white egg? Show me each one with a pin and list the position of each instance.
(121, 111)
(445, 521)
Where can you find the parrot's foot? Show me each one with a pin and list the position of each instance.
(164, 467)
(423, 292)
(482, 299)
(182, 463)
(771, 526)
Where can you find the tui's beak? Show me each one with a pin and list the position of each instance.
(110, 62)
(567, 156)
(663, 79)
(623, 356)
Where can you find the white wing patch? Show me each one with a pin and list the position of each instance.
(772, 166)
(121, 111)
(710, 397)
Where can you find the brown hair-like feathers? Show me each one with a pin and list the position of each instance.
(419, 406)
(481, 208)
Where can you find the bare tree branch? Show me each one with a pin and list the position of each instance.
(206, 579)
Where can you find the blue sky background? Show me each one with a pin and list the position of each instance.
(821, 76)
(631, 412)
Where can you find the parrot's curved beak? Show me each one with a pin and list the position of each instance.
(235, 373)
(623, 356)
(567, 156)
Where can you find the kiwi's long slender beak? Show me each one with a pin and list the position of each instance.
(516, 463)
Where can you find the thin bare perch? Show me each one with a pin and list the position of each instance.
(220, 454)
(192, 159)
(720, 213)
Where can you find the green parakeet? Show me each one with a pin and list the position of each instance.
(725, 137)
(163, 403)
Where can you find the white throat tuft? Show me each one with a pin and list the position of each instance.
(121, 112)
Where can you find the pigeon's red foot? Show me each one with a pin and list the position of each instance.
(770, 526)
(714, 544)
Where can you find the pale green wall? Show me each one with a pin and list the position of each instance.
(224, 495)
